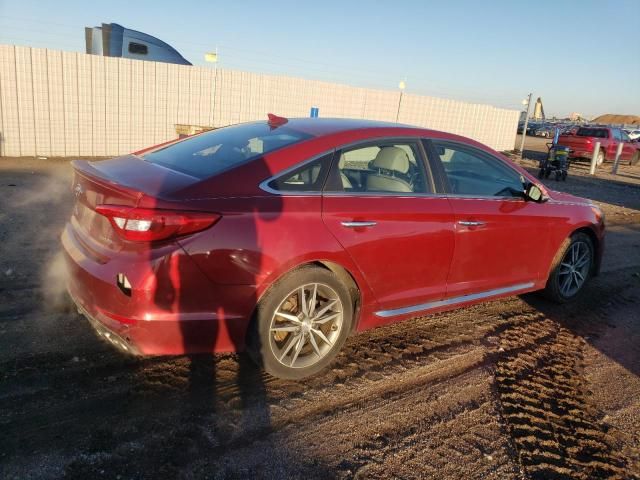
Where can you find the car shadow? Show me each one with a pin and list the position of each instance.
(76, 408)
(605, 313)
(225, 395)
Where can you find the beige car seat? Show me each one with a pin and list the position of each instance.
(346, 183)
(391, 165)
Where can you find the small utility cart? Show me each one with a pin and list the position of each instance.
(556, 162)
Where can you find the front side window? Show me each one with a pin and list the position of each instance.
(209, 153)
(384, 167)
(473, 172)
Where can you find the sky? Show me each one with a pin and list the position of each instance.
(578, 56)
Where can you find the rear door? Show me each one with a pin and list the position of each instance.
(379, 203)
(499, 237)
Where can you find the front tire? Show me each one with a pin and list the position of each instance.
(571, 269)
(635, 159)
(301, 323)
(600, 158)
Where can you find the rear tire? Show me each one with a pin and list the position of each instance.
(301, 323)
(635, 159)
(571, 269)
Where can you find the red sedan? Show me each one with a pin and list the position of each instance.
(283, 237)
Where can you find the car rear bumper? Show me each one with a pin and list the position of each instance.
(163, 315)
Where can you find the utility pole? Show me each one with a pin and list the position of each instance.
(526, 122)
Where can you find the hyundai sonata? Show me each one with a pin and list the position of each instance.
(284, 237)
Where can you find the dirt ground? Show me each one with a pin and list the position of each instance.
(510, 389)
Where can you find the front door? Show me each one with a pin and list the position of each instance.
(379, 205)
(499, 240)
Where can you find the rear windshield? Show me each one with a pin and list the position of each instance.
(592, 132)
(210, 153)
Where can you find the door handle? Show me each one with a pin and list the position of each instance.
(469, 223)
(358, 224)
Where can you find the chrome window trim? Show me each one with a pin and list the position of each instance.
(384, 194)
(453, 301)
(485, 197)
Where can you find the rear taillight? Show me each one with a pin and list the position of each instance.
(150, 225)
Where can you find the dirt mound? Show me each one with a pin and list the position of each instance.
(618, 119)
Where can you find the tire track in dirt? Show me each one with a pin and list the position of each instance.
(541, 391)
(110, 381)
(387, 366)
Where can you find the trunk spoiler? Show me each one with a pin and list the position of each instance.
(89, 172)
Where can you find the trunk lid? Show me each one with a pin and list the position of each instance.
(122, 181)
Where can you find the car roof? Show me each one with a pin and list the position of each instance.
(326, 126)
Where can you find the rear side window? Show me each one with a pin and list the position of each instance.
(210, 153)
(382, 167)
(592, 132)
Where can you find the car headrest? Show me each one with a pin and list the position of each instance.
(392, 158)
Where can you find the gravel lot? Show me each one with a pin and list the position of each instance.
(510, 389)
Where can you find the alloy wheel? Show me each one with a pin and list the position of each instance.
(306, 325)
(574, 269)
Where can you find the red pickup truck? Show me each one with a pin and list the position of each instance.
(582, 142)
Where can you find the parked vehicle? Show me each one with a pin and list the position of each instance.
(532, 127)
(569, 129)
(583, 142)
(285, 237)
(546, 131)
(633, 134)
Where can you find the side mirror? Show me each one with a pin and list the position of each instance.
(534, 193)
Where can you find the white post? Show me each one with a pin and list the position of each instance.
(524, 129)
(399, 103)
(594, 158)
(617, 160)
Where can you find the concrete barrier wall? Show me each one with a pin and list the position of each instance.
(56, 103)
